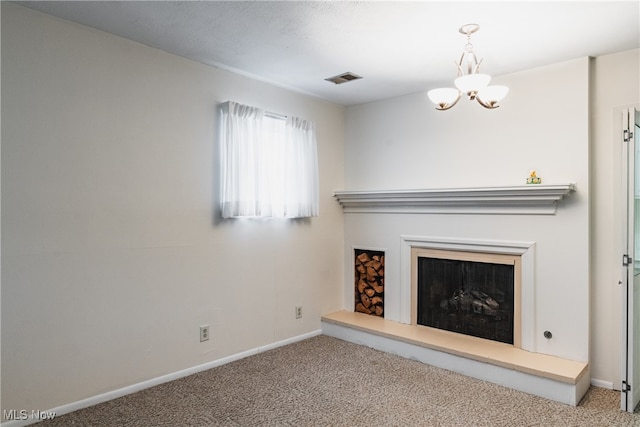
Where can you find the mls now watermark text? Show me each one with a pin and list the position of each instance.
(23, 414)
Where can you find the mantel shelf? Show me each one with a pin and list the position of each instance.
(537, 199)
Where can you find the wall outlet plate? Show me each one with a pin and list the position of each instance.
(299, 312)
(204, 333)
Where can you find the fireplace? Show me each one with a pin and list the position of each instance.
(469, 293)
(534, 224)
(516, 304)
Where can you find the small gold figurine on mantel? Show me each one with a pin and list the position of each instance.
(533, 179)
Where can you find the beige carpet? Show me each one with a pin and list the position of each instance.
(324, 381)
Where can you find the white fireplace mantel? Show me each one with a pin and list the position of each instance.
(536, 199)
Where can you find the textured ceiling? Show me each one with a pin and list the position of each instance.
(397, 47)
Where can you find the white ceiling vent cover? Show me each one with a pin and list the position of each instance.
(343, 78)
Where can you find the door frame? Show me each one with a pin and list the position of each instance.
(630, 354)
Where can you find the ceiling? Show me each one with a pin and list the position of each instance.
(397, 47)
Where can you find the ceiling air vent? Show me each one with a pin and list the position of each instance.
(343, 78)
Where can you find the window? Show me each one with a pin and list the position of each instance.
(269, 164)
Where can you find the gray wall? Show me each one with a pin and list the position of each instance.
(112, 253)
(404, 143)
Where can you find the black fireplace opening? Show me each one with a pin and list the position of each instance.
(467, 297)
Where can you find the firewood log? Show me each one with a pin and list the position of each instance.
(378, 288)
(366, 301)
(371, 273)
(361, 308)
(363, 257)
(362, 285)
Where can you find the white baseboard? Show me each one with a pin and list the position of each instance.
(114, 394)
(601, 383)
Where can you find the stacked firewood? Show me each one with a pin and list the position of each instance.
(369, 282)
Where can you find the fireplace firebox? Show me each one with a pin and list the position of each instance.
(468, 293)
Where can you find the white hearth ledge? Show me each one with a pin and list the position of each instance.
(553, 378)
(533, 199)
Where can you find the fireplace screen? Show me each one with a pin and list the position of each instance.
(468, 297)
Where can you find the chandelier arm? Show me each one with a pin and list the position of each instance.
(459, 65)
(489, 105)
(452, 104)
(477, 67)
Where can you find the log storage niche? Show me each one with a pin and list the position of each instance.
(369, 282)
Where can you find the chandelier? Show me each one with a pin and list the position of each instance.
(469, 81)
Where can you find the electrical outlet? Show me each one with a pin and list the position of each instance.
(299, 312)
(204, 333)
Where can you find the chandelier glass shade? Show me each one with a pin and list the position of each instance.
(470, 81)
(444, 97)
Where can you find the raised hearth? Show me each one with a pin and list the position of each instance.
(547, 376)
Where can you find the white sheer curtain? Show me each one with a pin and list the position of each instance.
(269, 164)
(301, 179)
